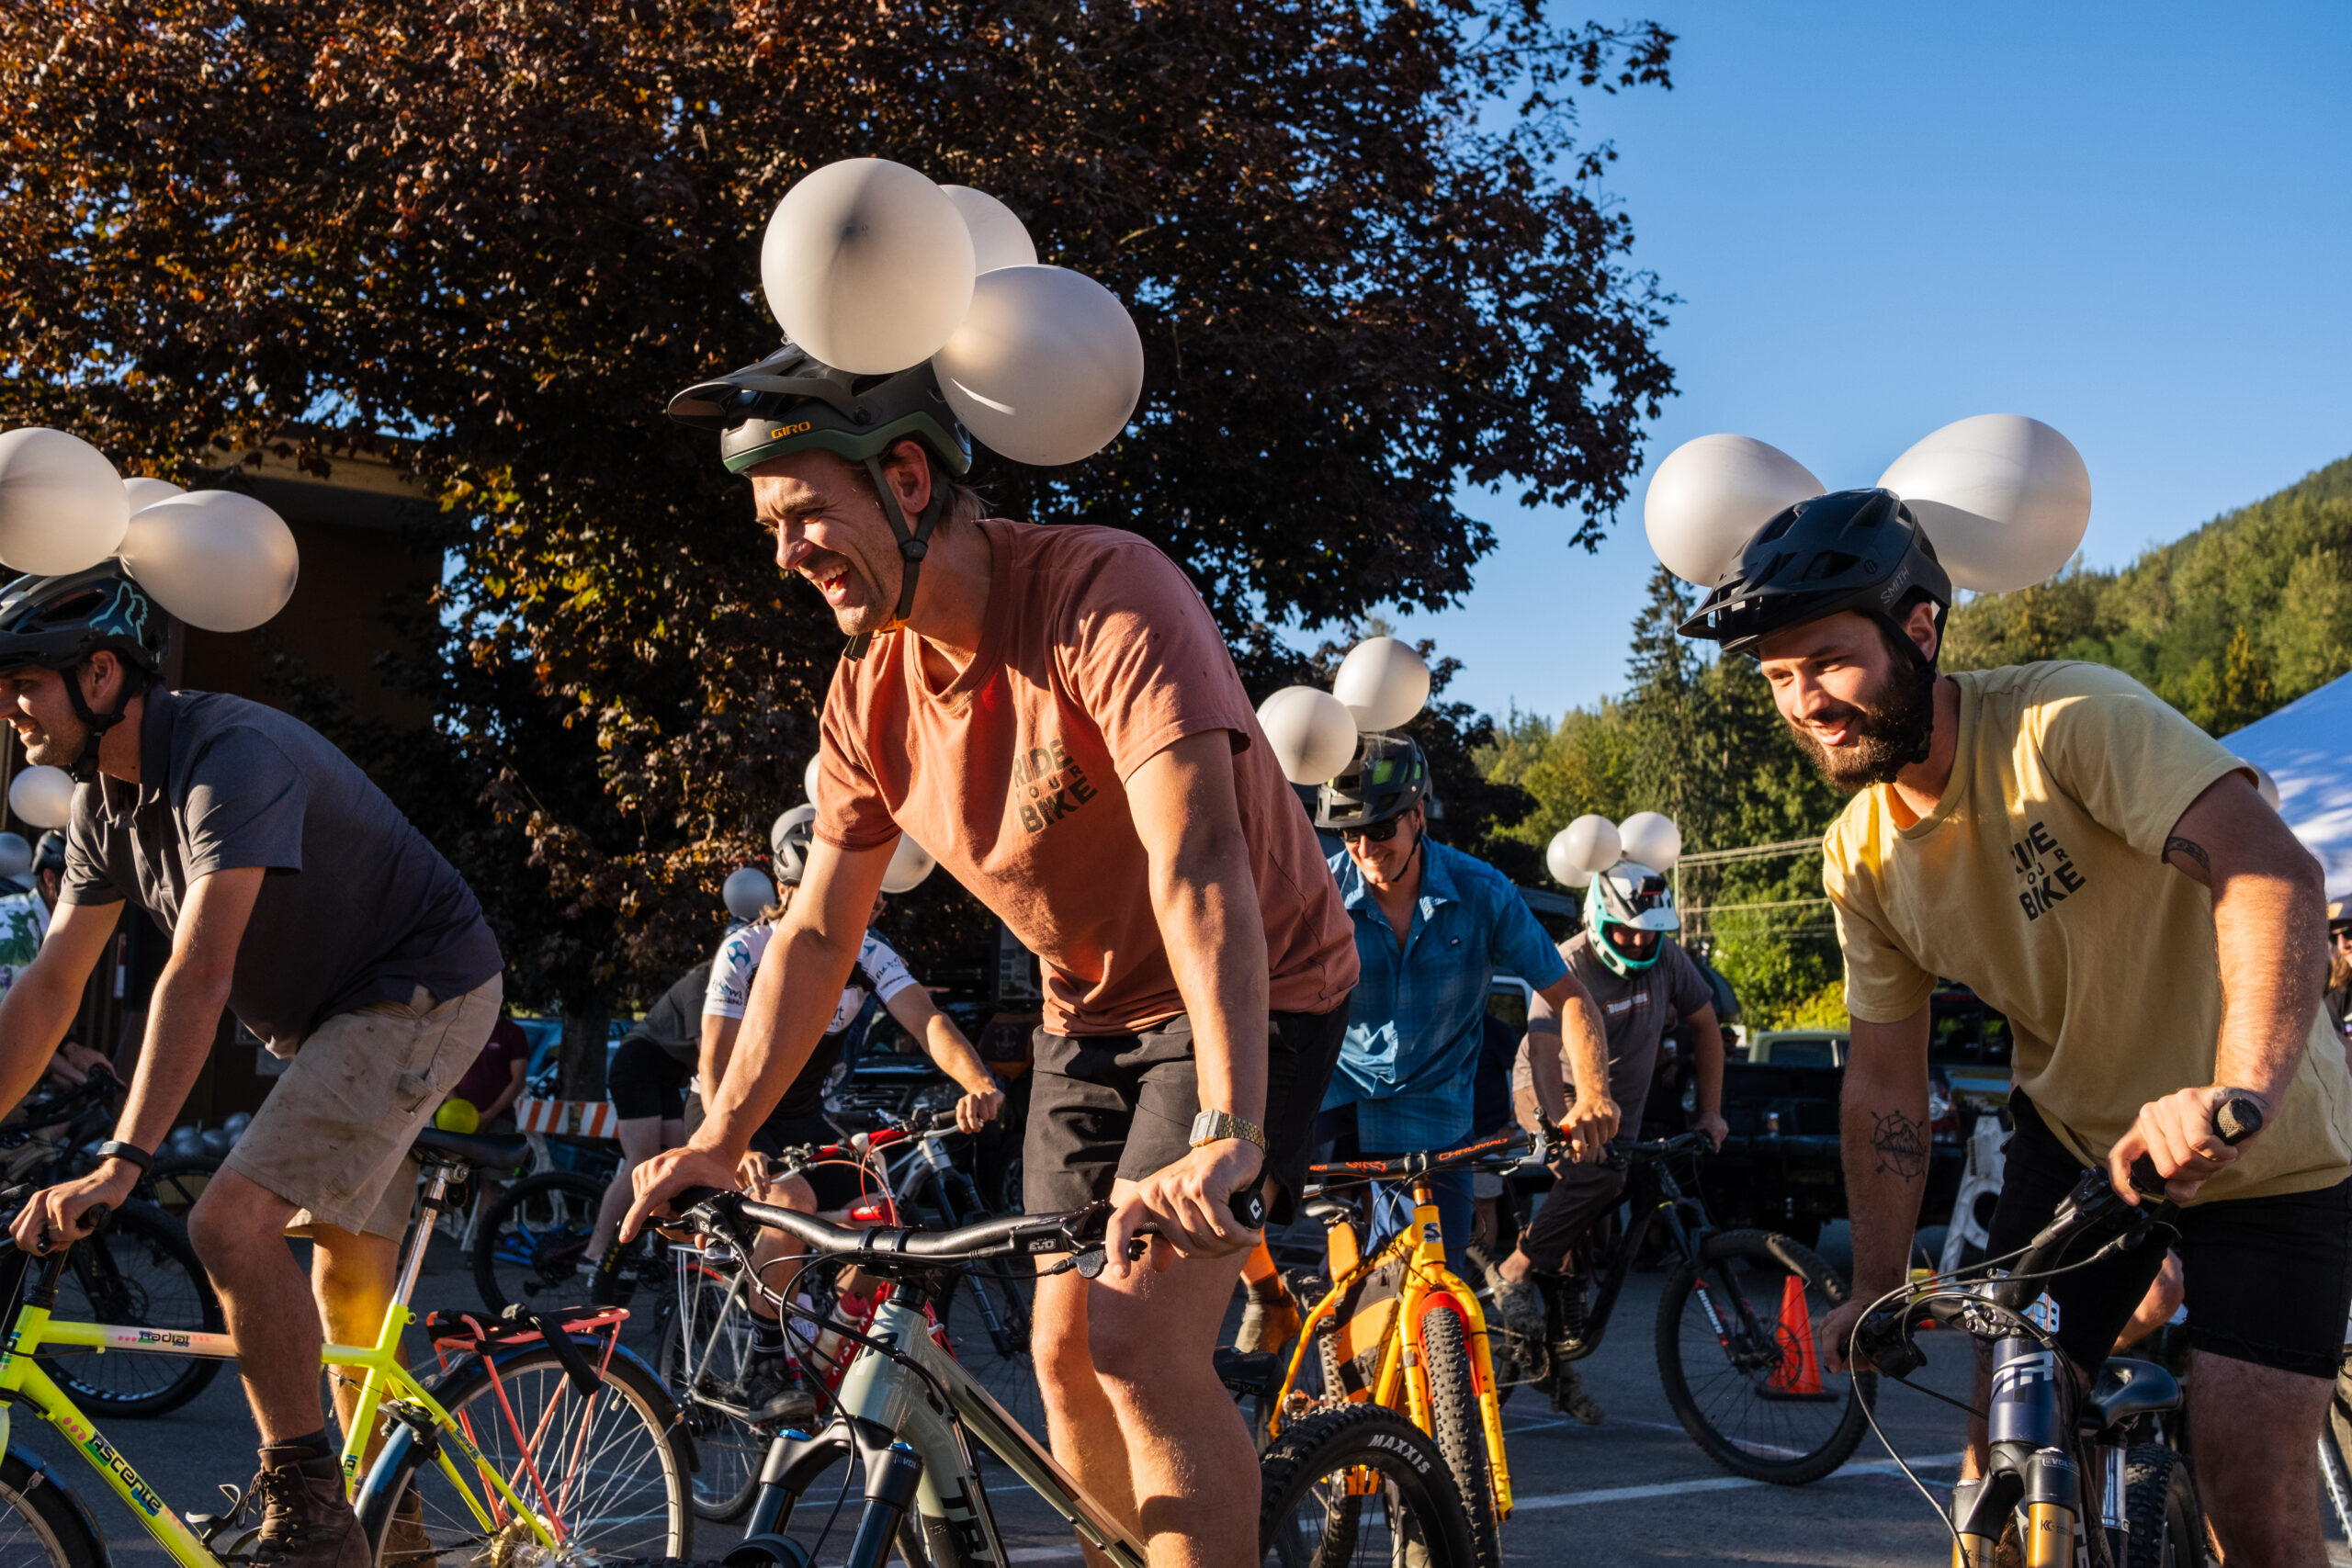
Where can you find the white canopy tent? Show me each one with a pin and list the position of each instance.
(2306, 747)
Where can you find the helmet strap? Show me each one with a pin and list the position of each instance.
(84, 765)
(914, 545)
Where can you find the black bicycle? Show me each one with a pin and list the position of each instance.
(1737, 1347)
(2063, 1450)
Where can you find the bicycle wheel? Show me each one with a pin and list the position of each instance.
(704, 1346)
(138, 1273)
(1358, 1485)
(1461, 1434)
(177, 1181)
(986, 1320)
(533, 1239)
(1754, 1396)
(607, 1474)
(39, 1523)
(2160, 1501)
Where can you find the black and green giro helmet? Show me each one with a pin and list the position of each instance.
(789, 403)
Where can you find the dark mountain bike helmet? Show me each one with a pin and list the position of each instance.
(789, 403)
(55, 623)
(1388, 777)
(49, 854)
(1851, 550)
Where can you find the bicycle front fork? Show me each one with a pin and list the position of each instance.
(2044, 1495)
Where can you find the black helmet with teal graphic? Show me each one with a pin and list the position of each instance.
(58, 622)
(1388, 777)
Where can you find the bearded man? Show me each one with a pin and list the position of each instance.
(2104, 874)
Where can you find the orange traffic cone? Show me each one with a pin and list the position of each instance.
(1799, 1371)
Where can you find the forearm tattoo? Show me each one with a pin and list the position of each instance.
(1901, 1145)
(2191, 848)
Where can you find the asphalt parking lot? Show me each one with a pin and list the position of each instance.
(1629, 1493)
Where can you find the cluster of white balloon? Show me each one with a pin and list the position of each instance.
(213, 559)
(873, 269)
(2004, 499)
(749, 890)
(1380, 686)
(1590, 845)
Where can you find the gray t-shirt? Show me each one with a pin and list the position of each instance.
(356, 908)
(1636, 1009)
(674, 1021)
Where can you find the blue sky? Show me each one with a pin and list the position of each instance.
(2133, 221)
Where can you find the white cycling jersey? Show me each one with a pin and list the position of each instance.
(878, 964)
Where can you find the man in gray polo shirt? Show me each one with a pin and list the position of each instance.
(297, 896)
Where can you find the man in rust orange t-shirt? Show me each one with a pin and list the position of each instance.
(1052, 713)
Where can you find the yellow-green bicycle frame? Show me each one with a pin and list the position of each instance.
(23, 1382)
(1401, 1382)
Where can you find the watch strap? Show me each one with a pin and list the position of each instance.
(1213, 1126)
(115, 1149)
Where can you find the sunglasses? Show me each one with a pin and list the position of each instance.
(1379, 833)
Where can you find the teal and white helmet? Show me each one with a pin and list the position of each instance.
(1629, 897)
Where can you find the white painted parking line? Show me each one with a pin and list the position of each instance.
(1710, 1484)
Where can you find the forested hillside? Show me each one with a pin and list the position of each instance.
(2249, 612)
(2242, 616)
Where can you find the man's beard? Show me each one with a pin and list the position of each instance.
(1891, 730)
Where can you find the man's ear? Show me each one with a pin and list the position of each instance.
(1920, 627)
(906, 466)
(101, 677)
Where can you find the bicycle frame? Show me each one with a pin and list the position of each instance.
(1401, 1382)
(24, 1382)
(1686, 1221)
(916, 1455)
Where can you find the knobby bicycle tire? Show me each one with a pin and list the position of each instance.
(1461, 1434)
(2160, 1503)
(616, 1467)
(1728, 1402)
(40, 1522)
(1316, 1511)
(140, 1272)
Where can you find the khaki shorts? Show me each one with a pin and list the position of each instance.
(333, 1136)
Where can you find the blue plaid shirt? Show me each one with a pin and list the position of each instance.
(1409, 1061)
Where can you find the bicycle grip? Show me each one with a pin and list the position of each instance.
(95, 1218)
(2237, 1119)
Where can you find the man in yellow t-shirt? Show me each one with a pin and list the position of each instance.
(2105, 874)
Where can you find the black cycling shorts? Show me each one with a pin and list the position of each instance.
(1103, 1106)
(2267, 1279)
(644, 1081)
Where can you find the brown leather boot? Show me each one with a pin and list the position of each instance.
(305, 1522)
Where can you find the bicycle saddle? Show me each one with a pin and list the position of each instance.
(2127, 1388)
(486, 1154)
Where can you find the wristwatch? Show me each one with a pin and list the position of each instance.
(1213, 1126)
(130, 1152)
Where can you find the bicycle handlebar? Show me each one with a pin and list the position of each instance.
(728, 1214)
(1884, 1338)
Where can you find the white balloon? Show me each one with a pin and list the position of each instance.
(147, 492)
(748, 892)
(998, 238)
(1590, 844)
(1384, 682)
(2264, 785)
(807, 783)
(1312, 732)
(2005, 499)
(213, 558)
(867, 265)
(62, 507)
(1046, 368)
(1712, 494)
(1652, 839)
(15, 855)
(1559, 859)
(909, 863)
(42, 797)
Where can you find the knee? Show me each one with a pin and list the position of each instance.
(1127, 1349)
(224, 1226)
